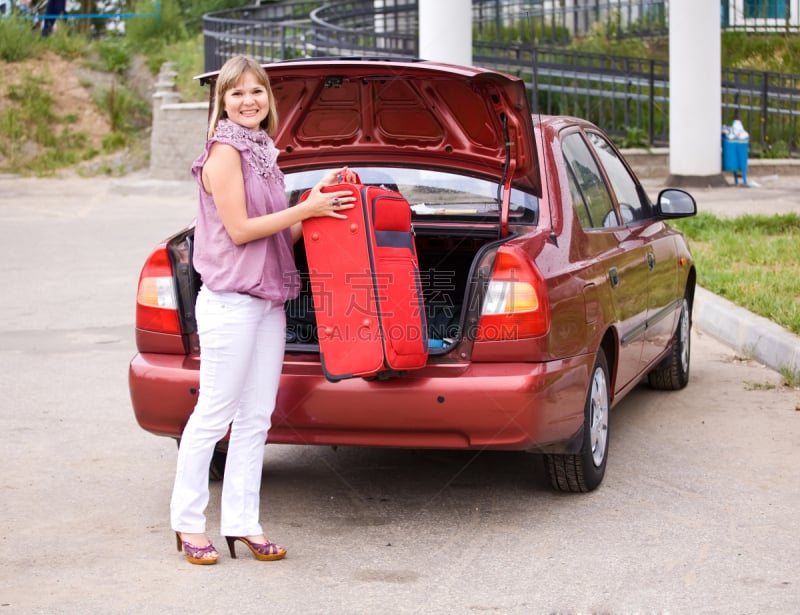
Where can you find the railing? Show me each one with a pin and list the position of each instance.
(388, 27)
(768, 105)
(548, 21)
(272, 32)
(627, 97)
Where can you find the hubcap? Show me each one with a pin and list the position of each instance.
(684, 333)
(598, 419)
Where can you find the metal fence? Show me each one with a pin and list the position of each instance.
(270, 33)
(281, 30)
(628, 97)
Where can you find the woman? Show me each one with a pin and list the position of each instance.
(243, 252)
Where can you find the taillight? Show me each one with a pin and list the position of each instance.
(156, 300)
(515, 305)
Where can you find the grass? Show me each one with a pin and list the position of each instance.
(37, 137)
(750, 260)
(791, 378)
(753, 262)
(34, 135)
(775, 52)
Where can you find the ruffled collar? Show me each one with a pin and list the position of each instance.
(264, 155)
(228, 129)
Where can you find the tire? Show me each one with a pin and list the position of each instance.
(673, 372)
(216, 469)
(584, 471)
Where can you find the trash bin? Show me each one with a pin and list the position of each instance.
(735, 151)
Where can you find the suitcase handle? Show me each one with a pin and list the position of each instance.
(340, 177)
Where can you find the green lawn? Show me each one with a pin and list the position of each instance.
(753, 261)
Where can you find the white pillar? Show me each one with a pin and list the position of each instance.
(445, 31)
(695, 93)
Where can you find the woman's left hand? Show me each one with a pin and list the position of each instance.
(329, 204)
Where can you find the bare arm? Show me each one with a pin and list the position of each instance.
(222, 178)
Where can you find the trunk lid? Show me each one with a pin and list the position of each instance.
(424, 114)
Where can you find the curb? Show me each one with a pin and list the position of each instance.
(749, 334)
(654, 163)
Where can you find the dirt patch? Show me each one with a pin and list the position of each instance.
(74, 89)
(71, 97)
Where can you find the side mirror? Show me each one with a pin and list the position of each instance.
(674, 203)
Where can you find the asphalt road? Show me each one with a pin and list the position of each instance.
(698, 512)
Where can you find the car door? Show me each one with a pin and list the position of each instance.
(616, 252)
(653, 241)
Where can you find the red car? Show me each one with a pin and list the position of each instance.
(552, 284)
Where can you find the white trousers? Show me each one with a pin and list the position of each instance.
(242, 339)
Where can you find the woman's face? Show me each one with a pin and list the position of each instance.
(247, 103)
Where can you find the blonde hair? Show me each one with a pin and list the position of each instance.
(228, 77)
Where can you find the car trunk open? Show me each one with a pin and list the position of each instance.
(454, 264)
(456, 142)
(456, 230)
(451, 290)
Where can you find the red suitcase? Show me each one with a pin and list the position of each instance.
(366, 287)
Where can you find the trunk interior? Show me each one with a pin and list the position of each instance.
(445, 264)
(447, 275)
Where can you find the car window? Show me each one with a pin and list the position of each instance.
(593, 205)
(433, 194)
(578, 202)
(625, 187)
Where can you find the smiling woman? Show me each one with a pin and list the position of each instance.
(243, 253)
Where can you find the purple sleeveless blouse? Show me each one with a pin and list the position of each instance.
(265, 267)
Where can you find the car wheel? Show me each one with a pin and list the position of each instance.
(584, 471)
(673, 372)
(216, 469)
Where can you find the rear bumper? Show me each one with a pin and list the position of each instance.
(505, 406)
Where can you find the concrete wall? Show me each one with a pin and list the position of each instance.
(179, 130)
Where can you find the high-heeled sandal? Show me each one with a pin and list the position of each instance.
(196, 555)
(264, 551)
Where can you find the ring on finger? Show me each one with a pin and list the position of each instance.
(335, 201)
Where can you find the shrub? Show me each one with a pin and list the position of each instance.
(114, 53)
(125, 111)
(145, 32)
(18, 40)
(193, 10)
(66, 42)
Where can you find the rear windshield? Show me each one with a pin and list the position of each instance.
(433, 194)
